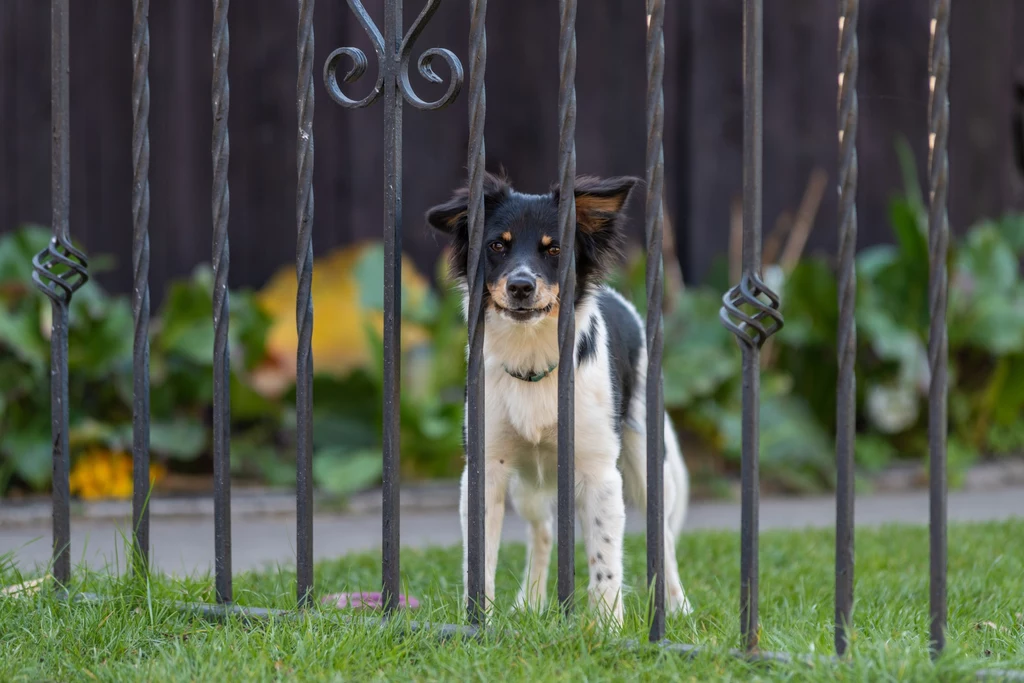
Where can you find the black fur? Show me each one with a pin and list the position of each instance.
(586, 347)
(624, 345)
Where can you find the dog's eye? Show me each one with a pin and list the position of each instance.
(554, 251)
(497, 246)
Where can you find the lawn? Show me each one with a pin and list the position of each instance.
(137, 637)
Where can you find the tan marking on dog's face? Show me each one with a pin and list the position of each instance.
(507, 236)
(546, 294)
(499, 292)
(546, 241)
(553, 293)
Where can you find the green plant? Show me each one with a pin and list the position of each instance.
(701, 364)
(100, 367)
(348, 423)
(986, 345)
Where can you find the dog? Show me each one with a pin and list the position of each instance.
(520, 357)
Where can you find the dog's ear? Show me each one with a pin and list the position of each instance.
(600, 215)
(453, 215)
(600, 202)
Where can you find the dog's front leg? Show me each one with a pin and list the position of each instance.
(602, 514)
(495, 482)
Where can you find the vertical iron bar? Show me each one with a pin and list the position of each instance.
(140, 288)
(938, 351)
(390, 539)
(846, 387)
(221, 363)
(567, 301)
(654, 231)
(475, 369)
(753, 76)
(304, 310)
(60, 124)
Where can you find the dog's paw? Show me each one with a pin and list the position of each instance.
(677, 603)
(608, 607)
(528, 603)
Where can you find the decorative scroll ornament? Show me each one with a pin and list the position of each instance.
(394, 67)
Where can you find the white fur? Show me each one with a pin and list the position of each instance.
(521, 452)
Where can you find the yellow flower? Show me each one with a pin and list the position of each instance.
(340, 342)
(102, 473)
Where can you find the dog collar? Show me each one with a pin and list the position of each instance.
(533, 377)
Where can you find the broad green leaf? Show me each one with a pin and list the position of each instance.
(30, 450)
(344, 473)
(20, 334)
(182, 438)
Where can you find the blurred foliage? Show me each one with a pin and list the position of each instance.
(798, 405)
(701, 366)
(348, 386)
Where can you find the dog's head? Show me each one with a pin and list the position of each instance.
(521, 242)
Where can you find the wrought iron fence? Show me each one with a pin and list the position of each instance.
(750, 309)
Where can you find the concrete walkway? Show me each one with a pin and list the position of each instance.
(185, 545)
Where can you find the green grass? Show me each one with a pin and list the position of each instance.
(135, 636)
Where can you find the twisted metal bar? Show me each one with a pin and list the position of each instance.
(140, 287)
(59, 271)
(475, 586)
(654, 227)
(221, 262)
(391, 530)
(752, 329)
(394, 53)
(846, 386)
(304, 98)
(938, 348)
(567, 299)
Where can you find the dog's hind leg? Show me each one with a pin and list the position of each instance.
(534, 506)
(602, 514)
(675, 497)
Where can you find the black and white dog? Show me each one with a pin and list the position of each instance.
(521, 300)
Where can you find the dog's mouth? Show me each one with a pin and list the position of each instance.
(523, 315)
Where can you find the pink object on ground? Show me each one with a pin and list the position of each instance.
(366, 600)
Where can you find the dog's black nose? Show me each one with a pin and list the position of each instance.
(520, 288)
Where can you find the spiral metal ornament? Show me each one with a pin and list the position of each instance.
(60, 270)
(359, 63)
(392, 67)
(751, 328)
(424, 64)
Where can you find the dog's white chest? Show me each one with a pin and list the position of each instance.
(530, 409)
